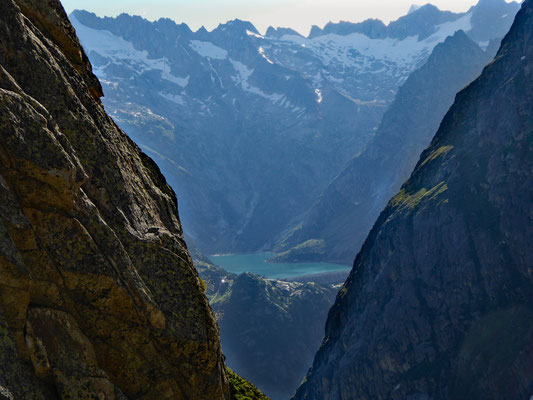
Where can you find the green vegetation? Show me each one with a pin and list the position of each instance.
(241, 389)
(406, 200)
(302, 252)
(203, 285)
(440, 151)
(285, 240)
(222, 295)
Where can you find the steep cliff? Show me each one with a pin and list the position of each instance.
(344, 214)
(439, 304)
(98, 294)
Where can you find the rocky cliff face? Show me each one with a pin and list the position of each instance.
(98, 294)
(439, 302)
(336, 226)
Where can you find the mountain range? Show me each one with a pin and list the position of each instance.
(265, 331)
(270, 329)
(99, 296)
(402, 77)
(274, 117)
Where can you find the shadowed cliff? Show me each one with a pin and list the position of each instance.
(439, 302)
(336, 226)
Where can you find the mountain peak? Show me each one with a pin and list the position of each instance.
(491, 19)
(315, 31)
(373, 28)
(456, 44)
(238, 26)
(491, 2)
(413, 8)
(423, 9)
(421, 21)
(459, 35)
(279, 32)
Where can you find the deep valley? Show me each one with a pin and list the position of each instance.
(231, 214)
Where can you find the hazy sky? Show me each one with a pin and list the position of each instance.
(297, 14)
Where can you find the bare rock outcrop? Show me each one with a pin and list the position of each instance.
(98, 294)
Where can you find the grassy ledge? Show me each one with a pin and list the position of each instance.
(241, 389)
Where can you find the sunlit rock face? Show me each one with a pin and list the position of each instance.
(439, 302)
(98, 294)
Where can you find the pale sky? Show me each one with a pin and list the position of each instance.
(296, 14)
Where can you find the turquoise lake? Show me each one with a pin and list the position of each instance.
(255, 263)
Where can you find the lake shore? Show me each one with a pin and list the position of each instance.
(256, 263)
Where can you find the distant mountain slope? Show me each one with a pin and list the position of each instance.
(489, 19)
(251, 129)
(248, 143)
(422, 22)
(270, 329)
(342, 217)
(439, 304)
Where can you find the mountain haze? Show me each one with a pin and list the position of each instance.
(251, 129)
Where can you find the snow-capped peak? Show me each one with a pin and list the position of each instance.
(413, 8)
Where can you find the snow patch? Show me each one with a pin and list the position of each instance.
(119, 51)
(111, 84)
(363, 54)
(483, 45)
(449, 28)
(250, 33)
(241, 79)
(242, 70)
(413, 8)
(208, 50)
(183, 82)
(174, 98)
(318, 93)
(262, 52)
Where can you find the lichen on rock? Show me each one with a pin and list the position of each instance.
(98, 294)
